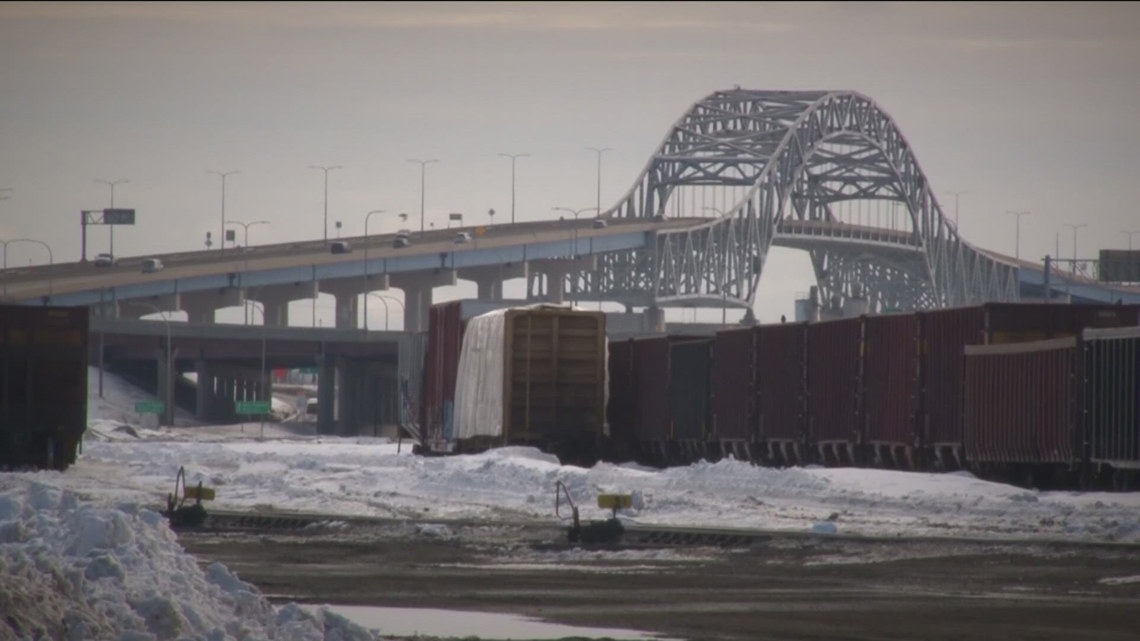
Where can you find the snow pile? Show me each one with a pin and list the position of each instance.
(73, 571)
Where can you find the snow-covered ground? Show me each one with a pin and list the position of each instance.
(86, 548)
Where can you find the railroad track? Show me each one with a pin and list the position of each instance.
(634, 536)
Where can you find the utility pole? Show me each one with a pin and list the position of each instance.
(423, 173)
(599, 192)
(222, 233)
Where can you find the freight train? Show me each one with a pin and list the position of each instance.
(1041, 394)
(43, 385)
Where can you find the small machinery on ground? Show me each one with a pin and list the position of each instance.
(178, 512)
(608, 531)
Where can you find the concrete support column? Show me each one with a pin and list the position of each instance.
(490, 279)
(556, 272)
(200, 306)
(655, 319)
(165, 382)
(275, 302)
(326, 395)
(418, 292)
(204, 397)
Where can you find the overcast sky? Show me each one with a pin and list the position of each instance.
(1024, 106)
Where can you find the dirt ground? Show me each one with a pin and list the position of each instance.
(785, 588)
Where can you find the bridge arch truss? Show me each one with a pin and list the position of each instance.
(824, 171)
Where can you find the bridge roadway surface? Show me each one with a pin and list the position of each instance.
(689, 583)
(81, 283)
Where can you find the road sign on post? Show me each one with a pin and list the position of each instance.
(252, 407)
(150, 407)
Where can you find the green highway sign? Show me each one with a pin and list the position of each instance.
(150, 407)
(253, 407)
(309, 370)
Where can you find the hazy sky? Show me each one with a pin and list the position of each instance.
(1024, 106)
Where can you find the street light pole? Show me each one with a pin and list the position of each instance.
(513, 157)
(222, 234)
(956, 195)
(1073, 269)
(245, 229)
(326, 170)
(112, 184)
(599, 152)
(1017, 246)
(1130, 234)
(574, 240)
(366, 217)
(423, 173)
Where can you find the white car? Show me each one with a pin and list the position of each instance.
(462, 238)
(105, 260)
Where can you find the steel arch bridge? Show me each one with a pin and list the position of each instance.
(824, 171)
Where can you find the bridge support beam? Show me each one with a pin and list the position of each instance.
(139, 307)
(275, 301)
(200, 306)
(490, 279)
(347, 294)
(556, 272)
(417, 294)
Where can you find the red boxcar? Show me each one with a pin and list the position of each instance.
(690, 391)
(651, 391)
(441, 363)
(833, 386)
(1110, 368)
(620, 406)
(945, 333)
(1021, 404)
(734, 390)
(781, 385)
(890, 388)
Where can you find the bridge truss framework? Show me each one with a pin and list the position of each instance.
(806, 169)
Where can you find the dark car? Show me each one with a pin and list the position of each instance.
(340, 247)
(401, 241)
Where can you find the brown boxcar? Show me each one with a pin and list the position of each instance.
(945, 333)
(781, 387)
(734, 391)
(1020, 402)
(833, 385)
(690, 391)
(890, 388)
(554, 381)
(1110, 386)
(43, 385)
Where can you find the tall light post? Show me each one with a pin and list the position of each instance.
(383, 299)
(4, 265)
(574, 240)
(599, 151)
(326, 170)
(222, 234)
(245, 229)
(366, 217)
(1130, 234)
(956, 195)
(513, 157)
(423, 173)
(112, 184)
(1017, 238)
(1075, 228)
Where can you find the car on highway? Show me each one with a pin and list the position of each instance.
(151, 265)
(401, 241)
(105, 260)
(340, 247)
(599, 223)
(462, 238)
